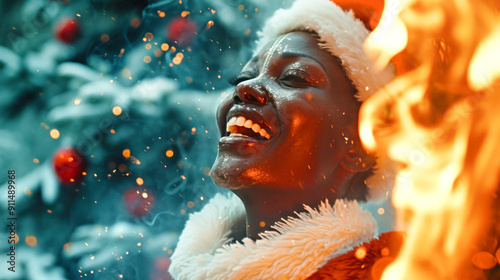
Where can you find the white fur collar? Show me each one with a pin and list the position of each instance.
(298, 248)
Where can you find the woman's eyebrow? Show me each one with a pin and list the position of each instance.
(289, 54)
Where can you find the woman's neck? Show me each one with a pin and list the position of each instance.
(264, 206)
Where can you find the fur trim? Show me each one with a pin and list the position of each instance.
(294, 251)
(343, 35)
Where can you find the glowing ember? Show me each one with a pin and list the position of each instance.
(209, 24)
(139, 181)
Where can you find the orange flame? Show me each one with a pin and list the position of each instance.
(439, 120)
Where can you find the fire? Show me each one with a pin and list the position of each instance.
(439, 121)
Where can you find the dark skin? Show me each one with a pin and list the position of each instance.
(303, 99)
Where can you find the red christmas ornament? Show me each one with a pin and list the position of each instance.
(181, 30)
(138, 201)
(69, 165)
(67, 30)
(160, 270)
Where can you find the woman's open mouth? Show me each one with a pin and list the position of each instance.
(247, 123)
(240, 126)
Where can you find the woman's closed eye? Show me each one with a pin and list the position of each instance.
(243, 76)
(298, 79)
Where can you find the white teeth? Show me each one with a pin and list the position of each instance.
(232, 121)
(240, 121)
(244, 122)
(248, 124)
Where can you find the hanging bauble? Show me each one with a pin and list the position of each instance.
(181, 30)
(160, 270)
(138, 201)
(67, 30)
(69, 165)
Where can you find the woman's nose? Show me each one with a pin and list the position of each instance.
(250, 93)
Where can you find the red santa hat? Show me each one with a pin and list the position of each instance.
(342, 31)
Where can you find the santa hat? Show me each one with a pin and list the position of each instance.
(342, 33)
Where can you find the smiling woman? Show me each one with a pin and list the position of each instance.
(289, 140)
(303, 104)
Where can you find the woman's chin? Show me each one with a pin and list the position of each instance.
(232, 174)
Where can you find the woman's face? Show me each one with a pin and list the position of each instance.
(290, 122)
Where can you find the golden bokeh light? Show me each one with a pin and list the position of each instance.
(54, 133)
(178, 58)
(31, 240)
(126, 153)
(149, 36)
(135, 22)
(139, 181)
(360, 253)
(117, 110)
(104, 38)
(16, 238)
(170, 153)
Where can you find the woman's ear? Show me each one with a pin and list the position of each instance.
(357, 159)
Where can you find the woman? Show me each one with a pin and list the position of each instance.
(289, 142)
